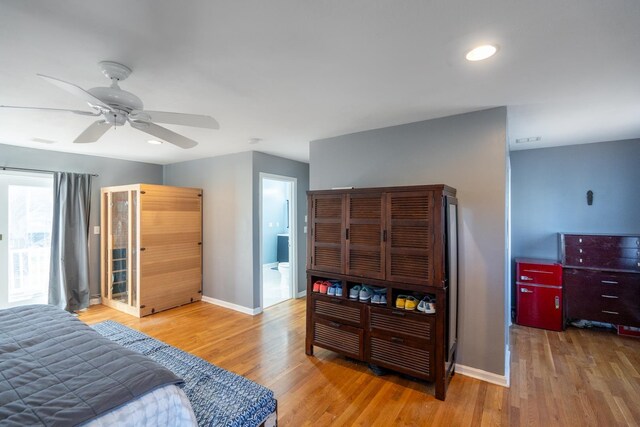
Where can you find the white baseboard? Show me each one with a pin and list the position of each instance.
(95, 300)
(302, 294)
(236, 307)
(479, 374)
(507, 365)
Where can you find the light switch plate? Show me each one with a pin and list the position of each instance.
(96, 229)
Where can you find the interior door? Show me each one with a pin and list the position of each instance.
(26, 211)
(365, 235)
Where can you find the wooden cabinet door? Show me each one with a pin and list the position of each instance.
(364, 235)
(410, 239)
(327, 233)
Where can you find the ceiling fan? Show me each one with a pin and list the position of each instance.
(117, 107)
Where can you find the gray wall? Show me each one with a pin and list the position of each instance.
(227, 222)
(549, 187)
(278, 166)
(468, 152)
(111, 172)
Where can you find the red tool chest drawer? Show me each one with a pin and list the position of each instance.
(540, 272)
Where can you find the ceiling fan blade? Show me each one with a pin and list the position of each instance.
(93, 132)
(83, 113)
(164, 134)
(195, 120)
(77, 91)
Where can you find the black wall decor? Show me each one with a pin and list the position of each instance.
(590, 197)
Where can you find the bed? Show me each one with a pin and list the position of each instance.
(57, 371)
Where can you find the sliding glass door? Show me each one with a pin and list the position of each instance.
(26, 211)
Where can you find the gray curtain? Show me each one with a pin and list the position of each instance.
(69, 271)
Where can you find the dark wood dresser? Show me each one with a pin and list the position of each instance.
(404, 240)
(601, 275)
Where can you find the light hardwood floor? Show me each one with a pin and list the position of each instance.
(574, 378)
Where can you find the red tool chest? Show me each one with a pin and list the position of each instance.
(539, 293)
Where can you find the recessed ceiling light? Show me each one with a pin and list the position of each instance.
(154, 142)
(530, 139)
(481, 52)
(254, 140)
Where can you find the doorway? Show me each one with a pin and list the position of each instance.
(26, 212)
(277, 239)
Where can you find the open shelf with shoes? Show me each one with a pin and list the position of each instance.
(380, 244)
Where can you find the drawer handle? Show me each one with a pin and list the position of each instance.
(610, 312)
(334, 324)
(609, 282)
(538, 271)
(525, 278)
(398, 313)
(609, 296)
(526, 291)
(397, 340)
(580, 250)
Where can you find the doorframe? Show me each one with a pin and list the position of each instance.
(293, 232)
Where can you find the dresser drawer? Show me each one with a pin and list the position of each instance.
(402, 355)
(605, 253)
(594, 261)
(341, 310)
(593, 278)
(340, 338)
(540, 274)
(400, 322)
(602, 241)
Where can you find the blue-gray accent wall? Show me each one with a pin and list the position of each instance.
(549, 194)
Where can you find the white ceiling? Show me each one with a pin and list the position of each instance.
(294, 71)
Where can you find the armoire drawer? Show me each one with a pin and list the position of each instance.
(340, 338)
(413, 325)
(402, 354)
(339, 309)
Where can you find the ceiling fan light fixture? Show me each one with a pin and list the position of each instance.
(481, 52)
(154, 142)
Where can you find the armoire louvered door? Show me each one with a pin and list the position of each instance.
(364, 235)
(327, 240)
(410, 245)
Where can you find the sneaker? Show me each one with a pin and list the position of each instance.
(365, 293)
(316, 285)
(331, 291)
(338, 289)
(422, 306)
(430, 306)
(400, 301)
(411, 303)
(324, 287)
(383, 299)
(375, 299)
(354, 292)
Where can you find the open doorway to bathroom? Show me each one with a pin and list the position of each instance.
(277, 238)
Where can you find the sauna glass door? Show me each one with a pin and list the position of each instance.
(121, 247)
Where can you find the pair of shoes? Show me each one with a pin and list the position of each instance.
(354, 292)
(324, 287)
(316, 285)
(365, 294)
(427, 305)
(379, 296)
(406, 302)
(335, 290)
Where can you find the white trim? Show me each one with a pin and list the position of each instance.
(302, 294)
(507, 365)
(479, 374)
(232, 306)
(95, 300)
(270, 265)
